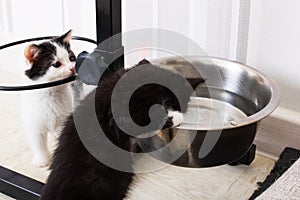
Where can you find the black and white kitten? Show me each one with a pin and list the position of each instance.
(76, 174)
(45, 110)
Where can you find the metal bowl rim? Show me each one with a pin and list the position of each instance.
(263, 113)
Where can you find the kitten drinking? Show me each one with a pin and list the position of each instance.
(76, 173)
(45, 110)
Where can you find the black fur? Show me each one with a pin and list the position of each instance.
(76, 174)
(42, 61)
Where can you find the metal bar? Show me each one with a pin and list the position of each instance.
(109, 26)
(108, 20)
(19, 186)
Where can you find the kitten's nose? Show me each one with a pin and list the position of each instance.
(72, 69)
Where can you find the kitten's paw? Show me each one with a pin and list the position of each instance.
(41, 161)
(57, 132)
(56, 135)
(177, 117)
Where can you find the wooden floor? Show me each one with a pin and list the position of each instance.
(223, 182)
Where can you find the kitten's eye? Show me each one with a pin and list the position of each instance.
(72, 58)
(57, 64)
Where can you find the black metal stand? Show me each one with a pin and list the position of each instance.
(109, 23)
(247, 159)
(108, 57)
(19, 186)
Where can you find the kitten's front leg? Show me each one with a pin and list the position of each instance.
(174, 118)
(57, 131)
(38, 143)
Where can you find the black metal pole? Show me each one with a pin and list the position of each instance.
(108, 57)
(109, 26)
(108, 20)
(19, 186)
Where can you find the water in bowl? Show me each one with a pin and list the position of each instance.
(213, 108)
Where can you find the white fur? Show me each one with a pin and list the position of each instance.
(45, 110)
(177, 117)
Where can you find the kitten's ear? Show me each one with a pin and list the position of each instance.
(31, 52)
(195, 82)
(29, 74)
(66, 38)
(143, 62)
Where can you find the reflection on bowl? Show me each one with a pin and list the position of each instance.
(226, 111)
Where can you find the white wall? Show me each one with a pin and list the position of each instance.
(196, 19)
(32, 18)
(5, 16)
(274, 45)
(262, 33)
(270, 41)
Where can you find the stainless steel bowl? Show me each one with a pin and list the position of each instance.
(225, 112)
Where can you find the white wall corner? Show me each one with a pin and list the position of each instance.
(219, 28)
(80, 18)
(2, 21)
(278, 131)
(234, 29)
(198, 21)
(243, 31)
(6, 20)
(227, 31)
